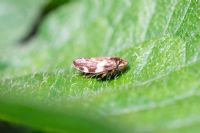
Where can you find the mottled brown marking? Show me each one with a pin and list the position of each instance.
(101, 66)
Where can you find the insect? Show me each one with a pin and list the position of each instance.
(101, 67)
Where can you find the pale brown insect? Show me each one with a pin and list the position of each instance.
(101, 66)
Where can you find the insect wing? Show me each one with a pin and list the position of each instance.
(94, 65)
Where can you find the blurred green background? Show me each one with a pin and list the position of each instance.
(41, 92)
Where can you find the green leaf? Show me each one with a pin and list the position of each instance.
(16, 19)
(158, 93)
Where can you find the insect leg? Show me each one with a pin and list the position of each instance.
(103, 75)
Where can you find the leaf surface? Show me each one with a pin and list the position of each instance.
(159, 91)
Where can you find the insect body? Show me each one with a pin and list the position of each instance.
(100, 67)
